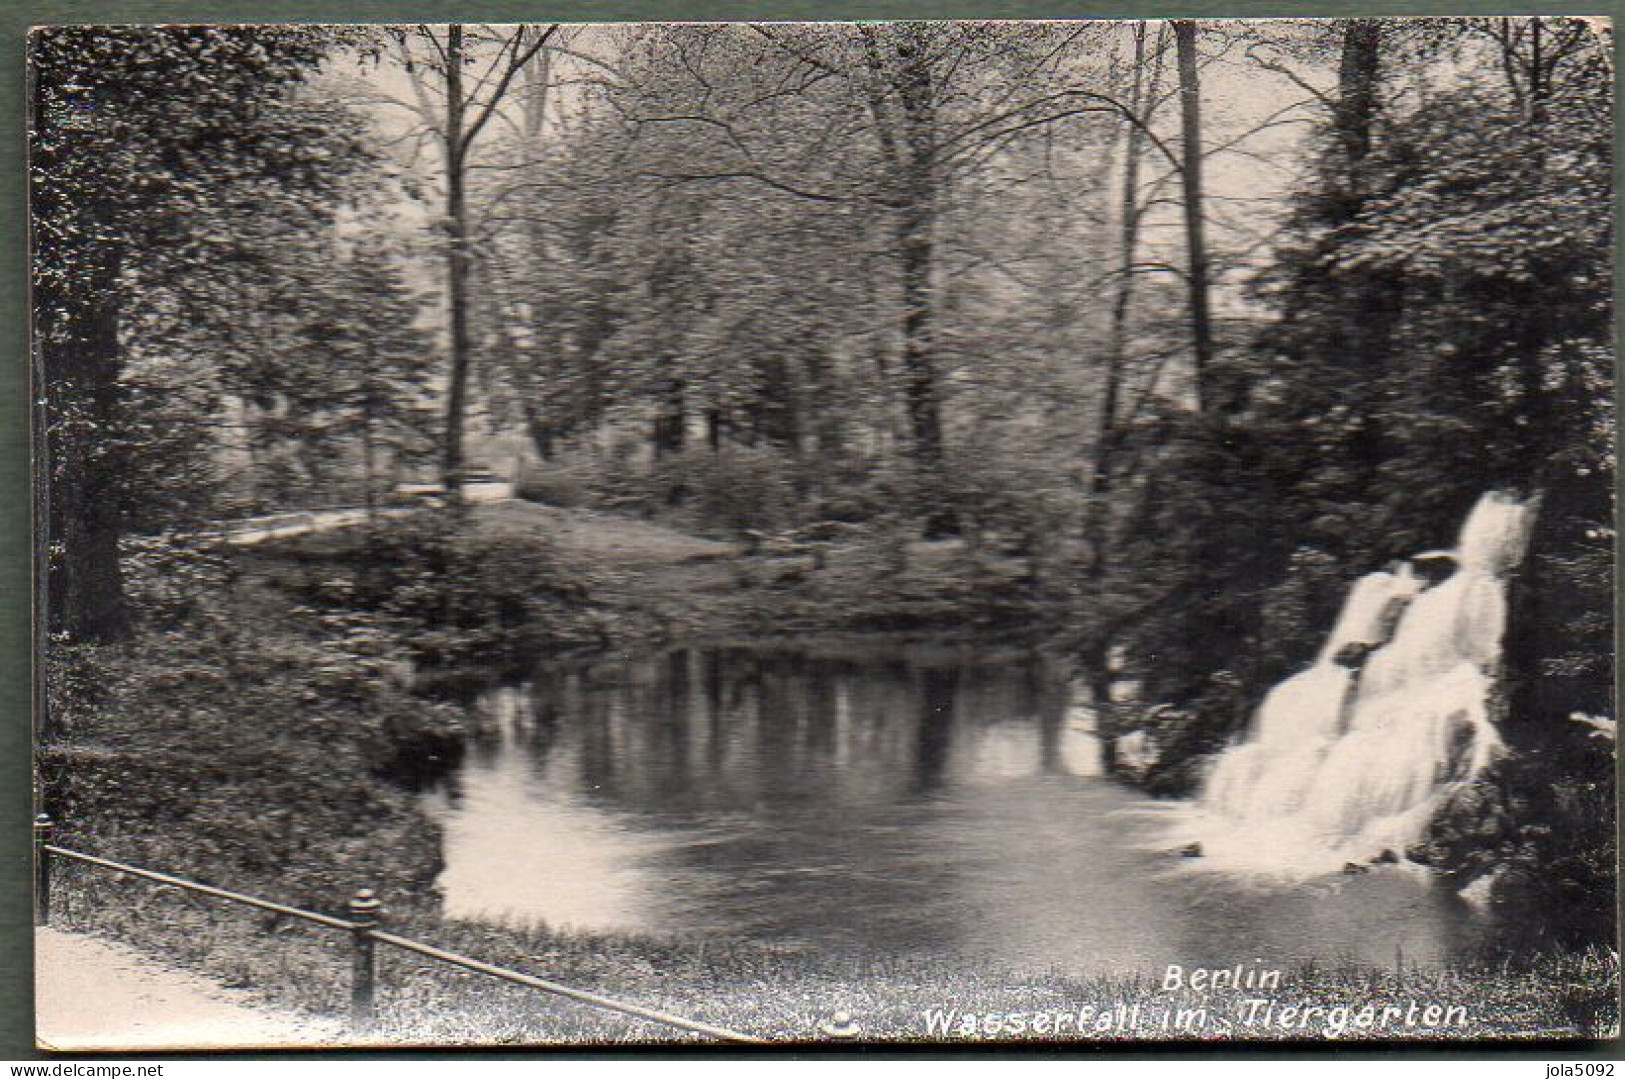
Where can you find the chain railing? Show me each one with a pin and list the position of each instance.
(364, 927)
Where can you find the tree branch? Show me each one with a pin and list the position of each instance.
(1291, 76)
(676, 180)
(1107, 103)
(516, 62)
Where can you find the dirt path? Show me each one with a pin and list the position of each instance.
(92, 994)
(607, 537)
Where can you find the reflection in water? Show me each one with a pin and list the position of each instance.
(869, 800)
(935, 730)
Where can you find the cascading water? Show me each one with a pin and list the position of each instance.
(1345, 761)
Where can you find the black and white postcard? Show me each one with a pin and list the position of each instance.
(948, 533)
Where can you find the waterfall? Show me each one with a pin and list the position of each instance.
(1353, 756)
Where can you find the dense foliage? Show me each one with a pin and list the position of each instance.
(1444, 327)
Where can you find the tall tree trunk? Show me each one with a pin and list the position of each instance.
(919, 369)
(1537, 326)
(81, 363)
(827, 423)
(670, 430)
(1374, 301)
(916, 223)
(538, 417)
(777, 416)
(369, 450)
(459, 118)
(456, 264)
(533, 106)
(1537, 74)
(1356, 104)
(1128, 241)
(1190, 97)
(541, 433)
(1106, 433)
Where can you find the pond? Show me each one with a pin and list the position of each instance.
(870, 799)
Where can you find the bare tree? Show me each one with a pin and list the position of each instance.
(1196, 273)
(454, 109)
(1142, 104)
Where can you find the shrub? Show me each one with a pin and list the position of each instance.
(171, 580)
(564, 486)
(732, 490)
(453, 598)
(270, 758)
(997, 493)
(1543, 835)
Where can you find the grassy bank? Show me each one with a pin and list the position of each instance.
(667, 583)
(247, 735)
(789, 996)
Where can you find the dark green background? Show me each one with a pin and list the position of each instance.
(16, 16)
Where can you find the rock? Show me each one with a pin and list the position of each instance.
(1353, 655)
(1191, 850)
(1480, 890)
(1134, 754)
(841, 1026)
(1387, 857)
(1352, 869)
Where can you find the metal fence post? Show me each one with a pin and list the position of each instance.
(43, 824)
(365, 914)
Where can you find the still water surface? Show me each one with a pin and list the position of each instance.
(878, 800)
